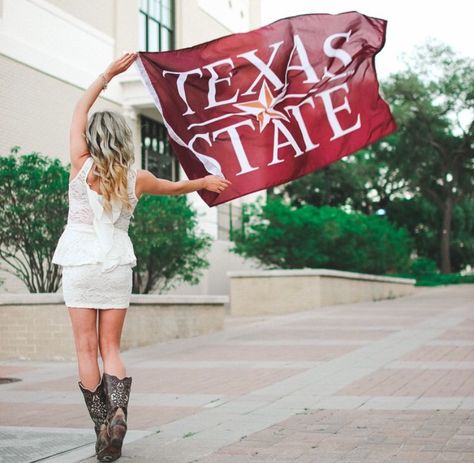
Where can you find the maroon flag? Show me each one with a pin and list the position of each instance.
(267, 106)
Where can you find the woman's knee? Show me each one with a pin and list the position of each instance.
(87, 346)
(109, 346)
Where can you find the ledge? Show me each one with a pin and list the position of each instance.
(37, 326)
(258, 292)
(319, 272)
(177, 300)
(138, 299)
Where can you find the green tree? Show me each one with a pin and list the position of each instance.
(432, 101)
(168, 247)
(283, 236)
(362, 182)
(32, 217)
(422, 218)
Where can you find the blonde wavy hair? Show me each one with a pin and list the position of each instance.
(110, 144)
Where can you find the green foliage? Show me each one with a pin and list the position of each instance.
(432, 101)
(32, 217)
(281, 236)
(422, 266)
(361, 182)
(425, 272)
(167, 245)
(439, 279)
(422, 218)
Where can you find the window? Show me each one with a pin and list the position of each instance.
(156, 25)
(157, 156)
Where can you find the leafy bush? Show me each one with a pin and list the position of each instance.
(34, 209)
(166, 242)
(422, 221)
(423, 266)
(281, 236)
(426, 273)
(439, 279)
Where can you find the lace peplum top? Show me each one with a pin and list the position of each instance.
(91, 234)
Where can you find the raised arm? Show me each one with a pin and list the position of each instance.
(77, 141)
(148, 183)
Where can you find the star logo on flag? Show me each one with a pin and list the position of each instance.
(262, 108)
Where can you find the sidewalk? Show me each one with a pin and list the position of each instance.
(372, 382)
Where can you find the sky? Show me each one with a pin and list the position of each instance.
(410, 23)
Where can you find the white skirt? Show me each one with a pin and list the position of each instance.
(86, 286)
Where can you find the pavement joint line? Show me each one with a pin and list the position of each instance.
(454, 343)
(230, 364)
(429, 365)
(302, 342)
(44, 429)
(139, 398)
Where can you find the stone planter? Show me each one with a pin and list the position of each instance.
(282, 291)
(37, 326)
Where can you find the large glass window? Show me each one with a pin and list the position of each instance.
(157, 156)
(156, 25)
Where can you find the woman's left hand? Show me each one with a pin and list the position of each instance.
(120, 65)
(215, 183)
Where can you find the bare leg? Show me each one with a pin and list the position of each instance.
(84, 326)
(110, 331)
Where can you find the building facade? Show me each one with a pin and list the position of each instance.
(51, 50)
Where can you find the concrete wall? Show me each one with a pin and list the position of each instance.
(98, 14)
(283, 291)
(37, 110)
(37, 326)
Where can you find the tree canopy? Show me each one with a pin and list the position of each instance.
(283, 236)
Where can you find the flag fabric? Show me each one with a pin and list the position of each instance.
(267, 106)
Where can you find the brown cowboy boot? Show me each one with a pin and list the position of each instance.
(97, 406)
(117, 392)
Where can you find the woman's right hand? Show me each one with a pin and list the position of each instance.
(215, 183)
(120, 65)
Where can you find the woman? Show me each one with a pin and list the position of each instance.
(96, 253)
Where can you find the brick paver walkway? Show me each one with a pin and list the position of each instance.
(389, 381)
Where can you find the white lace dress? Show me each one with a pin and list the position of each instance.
(94, 250)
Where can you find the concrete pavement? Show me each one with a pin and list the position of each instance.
(388, 381)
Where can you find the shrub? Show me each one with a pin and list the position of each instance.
(168, 247)
(281, 236)
(34, 209)
(423, 266)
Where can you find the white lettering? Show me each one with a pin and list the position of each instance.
(214, 80)
(237, 145)
(210, 164)
(264, 68)
(305, 66)
(331, 111)
(296, 111)
(182, 76)
(279, 127)
(332, 52)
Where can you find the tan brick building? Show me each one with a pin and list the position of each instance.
(51, 50)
